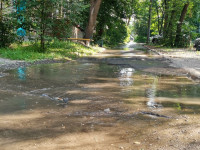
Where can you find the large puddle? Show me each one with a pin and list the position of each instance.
(43, 84)
(97, 105)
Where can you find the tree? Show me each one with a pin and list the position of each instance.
(76, 12)
(176, 21)
(112, 22)
(140, 26)
(39, 18)
(94, 9)
(6, 24)
(149, 22)
(179, 25)
(160, 15)
(1, 10)
(169, 40)
(166, 16)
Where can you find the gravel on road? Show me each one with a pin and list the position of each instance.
(188, 60)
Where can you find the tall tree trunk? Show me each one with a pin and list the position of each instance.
(161, 26)
(1, 10)
(149, 22)
(158, 16)
(42, 28)
(162, 18)
(169, 33)
(166, 17)
(94, 9)
(179, 25)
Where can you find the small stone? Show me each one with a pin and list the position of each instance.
(63, 127)
(138, 143)
(107, 110)
(65, 100)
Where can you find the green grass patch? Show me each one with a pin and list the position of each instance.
(54, 50)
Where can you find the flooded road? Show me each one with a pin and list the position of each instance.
(125, 98)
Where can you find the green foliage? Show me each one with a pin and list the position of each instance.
(128, 35)
(6, 25)
(55, 50)
(39, 16)
(140, 24)
(6, 33)
(113, 21)
(165, 21)
(77, 12)
(24, 53)
(115, 33)
(53, 18)
(60, 29)
(140, 39)
(46, 19)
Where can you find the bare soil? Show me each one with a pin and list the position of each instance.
(185, 58)
(120, 99)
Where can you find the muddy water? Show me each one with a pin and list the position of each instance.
(121, 99)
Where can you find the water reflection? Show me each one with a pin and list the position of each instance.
(151, 94)
(21, 71)
(57, 79)
(126, 76)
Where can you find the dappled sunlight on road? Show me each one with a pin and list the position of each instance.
(99, 103)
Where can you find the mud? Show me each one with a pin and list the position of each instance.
(121, 99)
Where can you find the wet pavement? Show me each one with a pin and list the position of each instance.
(126, 98)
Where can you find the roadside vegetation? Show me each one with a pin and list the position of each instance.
(54, 50)
(170, 23)
(108, 23)
(39, 21)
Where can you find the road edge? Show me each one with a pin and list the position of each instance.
(191, 72)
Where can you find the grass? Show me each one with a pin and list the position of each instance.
(55, 50)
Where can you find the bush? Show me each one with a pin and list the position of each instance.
(185, 41)
(115, 34)
(140, 39)
(6, 35)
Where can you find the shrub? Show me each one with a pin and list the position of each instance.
(6, 35)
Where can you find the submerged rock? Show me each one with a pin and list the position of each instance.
(59, 99)
(65, 100)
